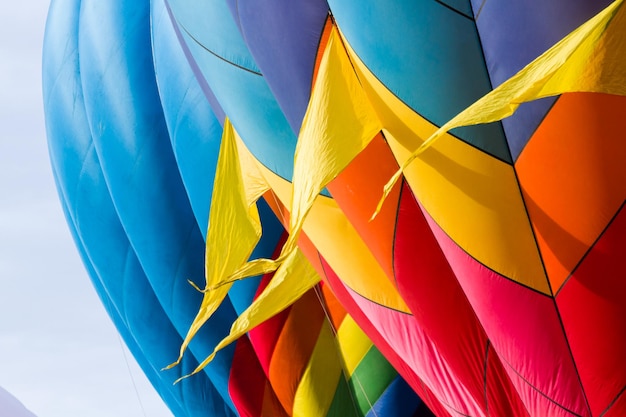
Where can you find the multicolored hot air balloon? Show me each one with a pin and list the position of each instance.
(245, 146)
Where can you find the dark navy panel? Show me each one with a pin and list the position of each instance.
(283, 36)
(244, 95)
(427, 55)
(96, 227)
(398, 400)
(134, 149)
(513, 33)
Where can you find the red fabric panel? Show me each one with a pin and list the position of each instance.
(432, 292)
(593, 306)
(617, 408)
(247, 383)
(497, 395)
(524, 328)
(265, 335)
(373, 333)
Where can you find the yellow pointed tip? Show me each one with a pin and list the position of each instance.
(194, 285)
(388, 187)
(181, 378)
(171, 365)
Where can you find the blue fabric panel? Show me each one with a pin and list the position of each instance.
(520, 127)
(243, 94)
(211, 25)
(461, 6)
(398, 400)
(513, 33)
(161, 387)
(428, 55)
(196, 134)
(283, 36)
(215, 105)
(194, 130)
(139, 167)
(92, 217)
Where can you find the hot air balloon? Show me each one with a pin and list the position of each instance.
(134, 144)
(248, 144)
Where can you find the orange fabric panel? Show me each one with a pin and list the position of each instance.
(357, 191)
(271, 405)
(294, 347)
(320, 49)
(573, 177)
(334, 310)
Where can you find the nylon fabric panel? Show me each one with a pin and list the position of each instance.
(162, 388)
(212, 26)
(617, 407)
(186, 112)
(476, 200)
(265, 335)
(235, 228)
(570, 204)
(463, 7)
(398, 401)
(472, 196)
(512, 34)
(210, 96)
(421, 354)
(363, 320)
(337, 240)
(428, 46)
(320, 378)
(495, 374)
(354, 345)
(592, 306)
(194, 132)
(247, 381)
(244, 96)
(133, 145)
(335, 312)
(283, 36)
(294, 348)
(104, 248)
(342, 404)
(440, 307)
(378, 373)
(524, 328)
(242, 292)
(357, 191)
(271, 405)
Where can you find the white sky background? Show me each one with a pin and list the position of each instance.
(59, 353)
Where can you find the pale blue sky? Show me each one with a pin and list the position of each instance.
(59, 353)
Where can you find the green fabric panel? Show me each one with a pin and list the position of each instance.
(370, 379)
(343, 403)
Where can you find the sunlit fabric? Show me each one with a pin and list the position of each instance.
(331, 208)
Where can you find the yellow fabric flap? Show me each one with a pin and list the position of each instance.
(590, 59)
